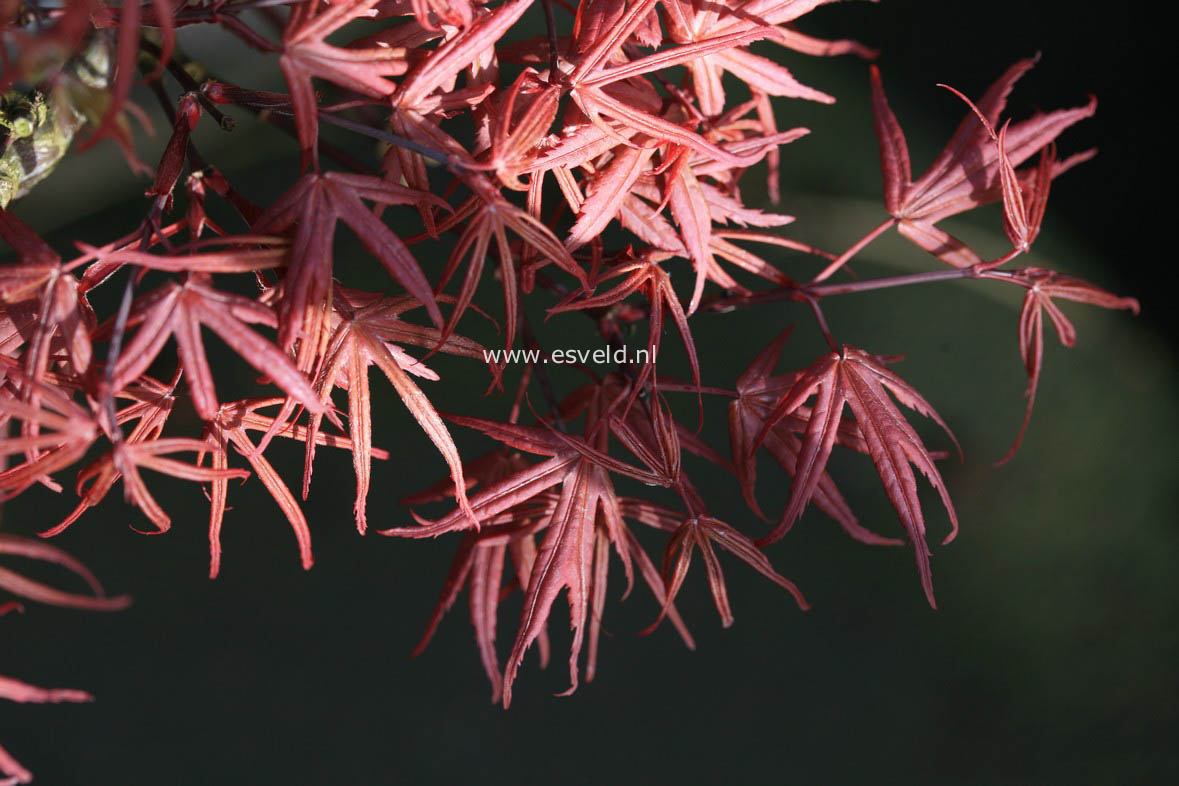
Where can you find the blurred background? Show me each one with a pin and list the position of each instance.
(1052, 658)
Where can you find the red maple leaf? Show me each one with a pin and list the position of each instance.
(859, 380)
(231, 426)
(758, 391)
(580, 524)
(366, 331)
(1042, 286)
(316, 204)
(62, 432)
(965, 175)
(306, 54)
(180, 310)
(702, 532)
(63, 317)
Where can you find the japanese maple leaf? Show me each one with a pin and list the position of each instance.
(606, 192)
(606, 87)
(695, 205)
(479, 566)
(492, 219)
(564, 562)
(643, 275)
(306, 54)
(366, 331)
(854, 378)
(688, 22)
(651, 434)
(703, 532)
(231, 426)
(571, 556)
(445, 63)
(62, 315)
(56, 321)
(180, 310)
(152, 405)
(690, 209)
(64, 432)
(1023, 209)
(124, 461)
(1023, 204)
(480, 562)
(317, 203)
(565, 451)
(518, 125)
(758, 390)
(965, 175)
(594, 82)
(1042, 286)
(649, 431)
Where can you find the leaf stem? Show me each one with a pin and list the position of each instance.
(822, 320)
(859, 246)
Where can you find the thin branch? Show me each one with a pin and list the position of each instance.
(119, 331)
(802, 291)
(551, 28)
(386, 136)
(189, 85)
(284, 123)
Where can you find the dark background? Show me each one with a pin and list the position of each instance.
(1050, 661)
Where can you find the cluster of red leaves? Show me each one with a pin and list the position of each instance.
(642, 117)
